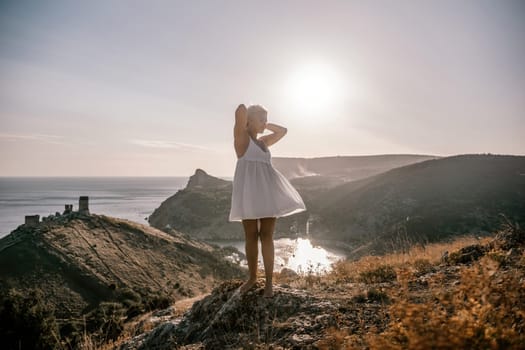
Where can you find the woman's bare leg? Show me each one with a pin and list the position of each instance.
(251, 249)
(266, 235)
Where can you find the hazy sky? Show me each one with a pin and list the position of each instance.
(149, 88)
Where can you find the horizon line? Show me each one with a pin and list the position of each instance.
(229, 176)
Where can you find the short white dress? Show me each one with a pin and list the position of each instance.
(260, 190)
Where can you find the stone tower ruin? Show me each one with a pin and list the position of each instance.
(32, 220)
(83, 205)
(68, 208)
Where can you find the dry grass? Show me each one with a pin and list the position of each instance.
(483, 307)
(484, 311)
(416, 257)
(471, 306)
(143, 323)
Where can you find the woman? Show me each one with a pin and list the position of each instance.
(260, 193)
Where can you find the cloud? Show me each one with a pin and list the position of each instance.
(171, 144)
(54, 139)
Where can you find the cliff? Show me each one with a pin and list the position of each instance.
(202, 208)
(202, 180)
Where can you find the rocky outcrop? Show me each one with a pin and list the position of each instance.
(202, 180)
(226, 319)
(293, 316)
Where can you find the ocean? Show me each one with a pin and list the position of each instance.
(133, 198)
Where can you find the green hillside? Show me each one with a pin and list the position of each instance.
(426, 201)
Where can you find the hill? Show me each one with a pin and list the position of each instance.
(426, 201)
(420, 202)
(347, 168)
(82, 262)
(202, 211)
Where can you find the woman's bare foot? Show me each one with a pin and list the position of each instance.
(247, 285)
(268, 291)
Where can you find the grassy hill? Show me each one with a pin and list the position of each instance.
(426, 201)
(93, 265)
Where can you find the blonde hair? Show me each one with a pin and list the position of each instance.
(254, 110)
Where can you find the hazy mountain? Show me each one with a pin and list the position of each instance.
(347, 168)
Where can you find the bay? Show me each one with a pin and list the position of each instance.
(297, 254)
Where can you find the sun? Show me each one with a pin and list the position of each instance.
(314, 89)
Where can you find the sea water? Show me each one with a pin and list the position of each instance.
(297, 254)
(132, 198)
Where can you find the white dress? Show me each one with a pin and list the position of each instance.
(260, 190)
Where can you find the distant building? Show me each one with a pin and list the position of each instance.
(83, 205)
(32, 220)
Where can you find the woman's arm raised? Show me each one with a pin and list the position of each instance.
(278, 133)
(240, 131)
(241, 120)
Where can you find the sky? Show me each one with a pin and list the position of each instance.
(149, 88)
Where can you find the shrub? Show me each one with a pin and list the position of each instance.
(371, 296)
(27, 321)
(423, 266)
(383, 273)
(375, 295)
(106, 321)
(157, 301)
(467, 254)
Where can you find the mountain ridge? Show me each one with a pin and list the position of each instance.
(348, 168)
(201, 209)
(353, 212)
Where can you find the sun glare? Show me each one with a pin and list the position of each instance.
(314, 89)
(307, 258)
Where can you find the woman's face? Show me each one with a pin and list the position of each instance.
(258, 122)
